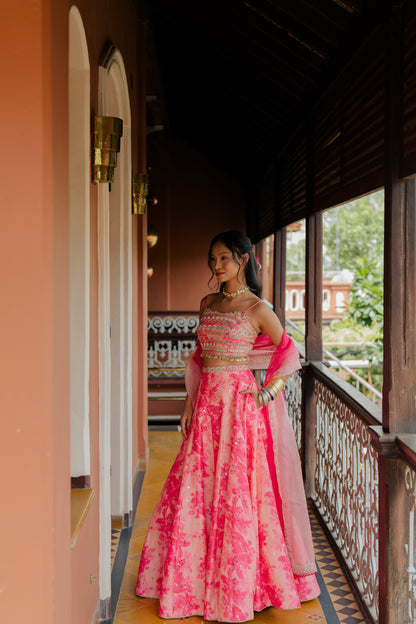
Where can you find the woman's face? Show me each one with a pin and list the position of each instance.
(224, 266)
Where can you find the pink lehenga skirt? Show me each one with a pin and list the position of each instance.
(215, 545)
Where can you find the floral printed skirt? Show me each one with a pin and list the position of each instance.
(215, 545)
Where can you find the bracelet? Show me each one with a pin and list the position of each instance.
(270, 392)
(277, 384)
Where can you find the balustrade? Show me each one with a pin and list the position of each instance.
(171, 339)
(346, 488)
(410, 545)
(293, 396)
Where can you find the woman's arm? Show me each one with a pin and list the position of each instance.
(265, 320)
(186, 417)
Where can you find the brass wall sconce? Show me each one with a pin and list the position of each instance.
(140, 190)
(106, 144)
(152, 236)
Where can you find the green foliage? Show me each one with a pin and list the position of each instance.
(353, 239)
(366, 304)
(295, 260)
(354, 231)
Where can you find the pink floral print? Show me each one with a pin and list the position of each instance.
(215, 546)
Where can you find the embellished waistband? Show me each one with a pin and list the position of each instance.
(231, 367)
(224, 356)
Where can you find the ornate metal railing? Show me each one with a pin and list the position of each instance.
(171, 338)
(410, 545)
(346, 487)
(293, 396)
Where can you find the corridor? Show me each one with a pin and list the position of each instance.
(336, 604)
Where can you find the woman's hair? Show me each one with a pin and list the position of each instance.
(239, 244)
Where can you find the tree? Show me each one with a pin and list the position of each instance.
(354, 231)
(366, 305)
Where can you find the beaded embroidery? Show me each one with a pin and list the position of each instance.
(214, 369)
(226, 335)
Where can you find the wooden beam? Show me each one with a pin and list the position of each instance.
(399, 377)
(399, 371)
(279, 275)
(313, 286)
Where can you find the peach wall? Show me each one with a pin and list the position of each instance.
(41, 578)
(118, 25)
(35, 575)
(196, 201)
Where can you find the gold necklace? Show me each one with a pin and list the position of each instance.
(235, 293)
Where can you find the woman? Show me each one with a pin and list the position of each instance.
(230, 534)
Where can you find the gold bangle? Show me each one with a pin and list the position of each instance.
(277, 384)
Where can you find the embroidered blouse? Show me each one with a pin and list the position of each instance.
(226, 335)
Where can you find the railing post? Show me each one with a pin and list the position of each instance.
(308, 431)
(393, 537)
(313, 323)
(313, 287)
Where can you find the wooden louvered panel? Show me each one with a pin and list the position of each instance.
(326, 145)
(347, 130)
(354, 161)
(266, 224)
(408, 161)
(291, 203)
(363, 121)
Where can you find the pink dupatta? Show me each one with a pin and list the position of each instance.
(279, 362)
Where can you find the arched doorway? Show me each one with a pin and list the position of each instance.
(115, 319)
(79, 242)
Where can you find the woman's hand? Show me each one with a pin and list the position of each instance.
(255, 393)
(186, 418)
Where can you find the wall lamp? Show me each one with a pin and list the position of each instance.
(140, 190)
(152, 235)
(106, 143)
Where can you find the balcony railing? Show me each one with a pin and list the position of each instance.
(171, 338)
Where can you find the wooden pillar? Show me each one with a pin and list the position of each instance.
(279, 275)
(399, 377)
(393, 534)
(313, 326)
(399, 372)
(313, 345)
(313, 286)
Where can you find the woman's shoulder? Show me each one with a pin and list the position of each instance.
(260, 309)
(253, 302)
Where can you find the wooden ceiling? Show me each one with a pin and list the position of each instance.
(236, 76)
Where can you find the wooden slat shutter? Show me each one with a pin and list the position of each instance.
(291, 201)
(349, 130)
(408, 138)
(265, 210)
(345, 152)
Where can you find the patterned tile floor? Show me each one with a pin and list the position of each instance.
(340, 594)
(115, 539)
(336, 604)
